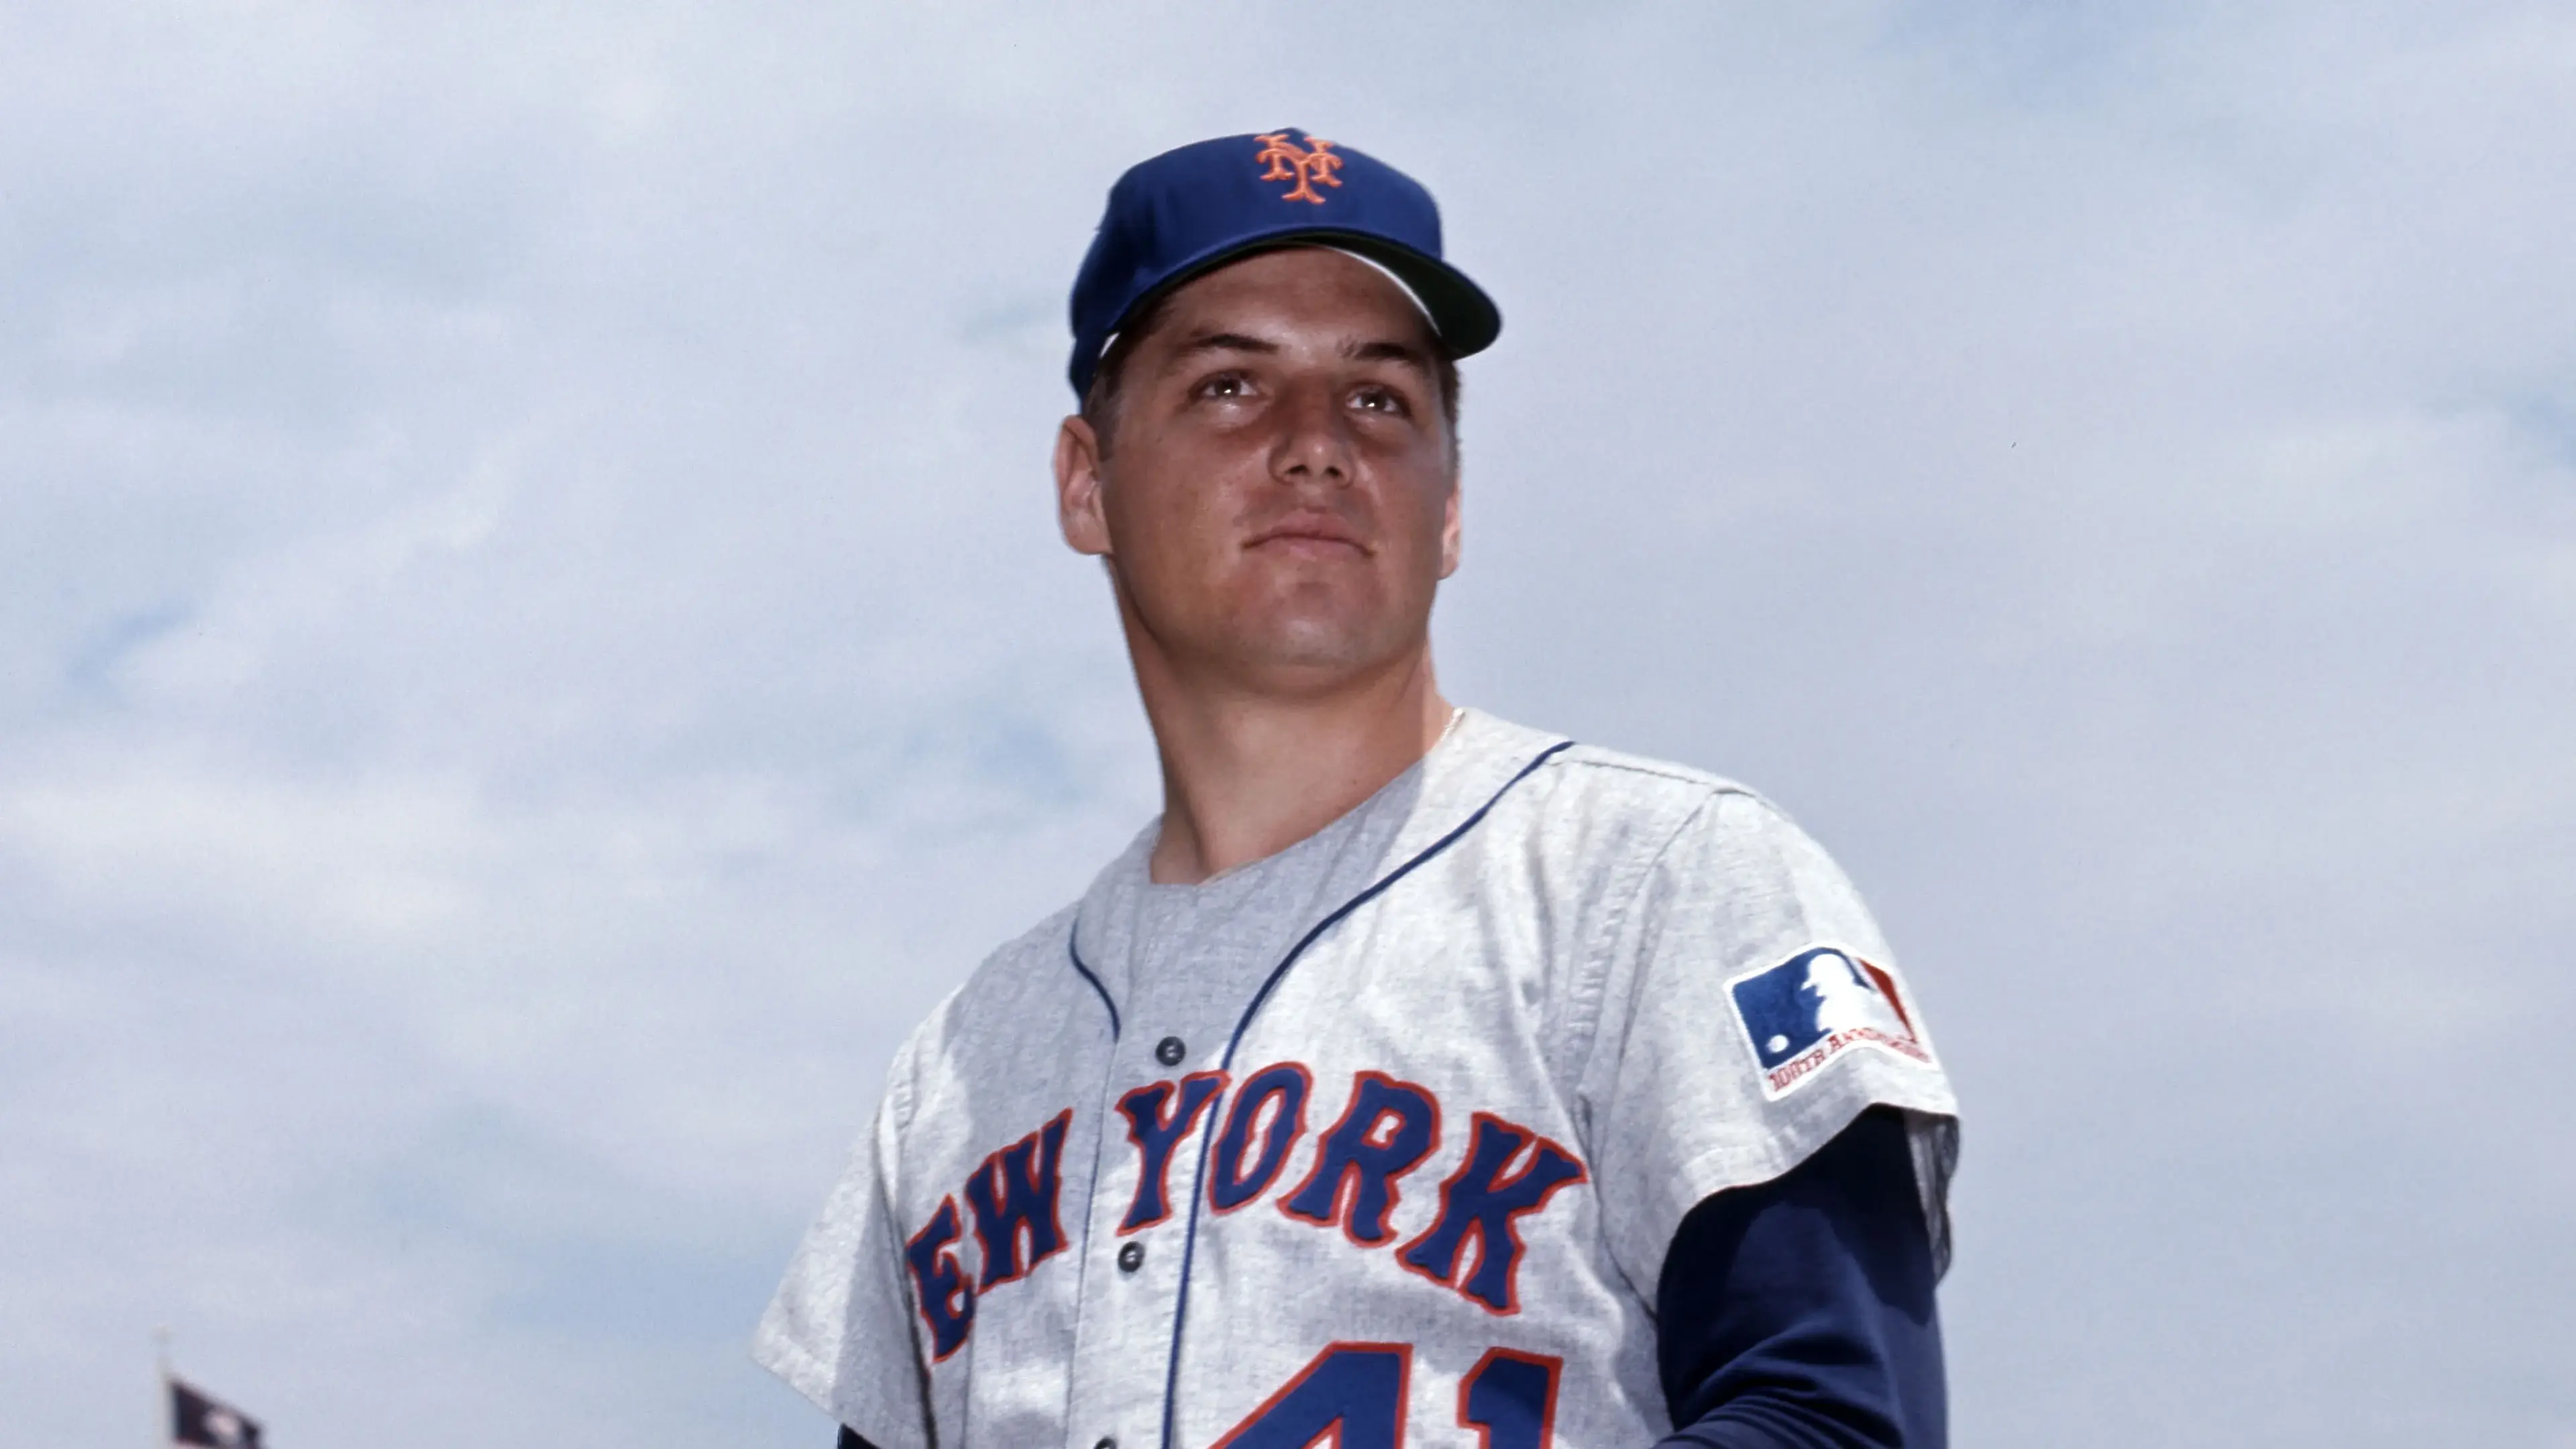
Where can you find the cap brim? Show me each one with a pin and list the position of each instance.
(1466, 319)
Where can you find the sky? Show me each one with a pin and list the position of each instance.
(533, 644)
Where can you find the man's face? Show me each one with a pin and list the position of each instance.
(1280, 500)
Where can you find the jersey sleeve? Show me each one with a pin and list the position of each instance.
(1750, 1011)
(842, 1330)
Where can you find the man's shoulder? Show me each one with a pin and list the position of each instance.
(1590, 820)
(1595, 785)
(1617, 773)
(1692, 818)
(1027, 979)
(1037, 963)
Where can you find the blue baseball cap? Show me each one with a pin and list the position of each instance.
(1187, 212)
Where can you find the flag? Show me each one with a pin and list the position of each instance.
(197, 1419)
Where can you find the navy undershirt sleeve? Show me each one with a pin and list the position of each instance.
(1799, 1312)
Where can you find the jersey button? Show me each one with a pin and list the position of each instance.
(1131, 1257)
(1169, 1052)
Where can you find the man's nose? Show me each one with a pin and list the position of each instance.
(1314, 441)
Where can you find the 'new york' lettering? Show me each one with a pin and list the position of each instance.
(1481, 1206)
(1015, 1196)
(1354, 1172)
(1385, 1132)
(1156, 1125)
(1353, 1184)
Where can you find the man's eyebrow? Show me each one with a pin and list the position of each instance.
(1388, 350)
(1385, 349)
(1222, 342)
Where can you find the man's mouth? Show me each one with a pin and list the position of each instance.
(1309, 533)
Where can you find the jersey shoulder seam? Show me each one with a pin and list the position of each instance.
(1594, 757)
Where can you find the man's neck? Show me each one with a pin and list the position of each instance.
(1247, 775)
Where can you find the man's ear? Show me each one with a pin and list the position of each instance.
(1077, 487)
(1449, 540)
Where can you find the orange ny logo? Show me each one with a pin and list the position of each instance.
(1290, 162)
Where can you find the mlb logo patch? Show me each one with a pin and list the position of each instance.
(1817, 1005)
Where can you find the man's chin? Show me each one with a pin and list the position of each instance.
(1313, 652)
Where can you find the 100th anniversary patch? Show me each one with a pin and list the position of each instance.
(1813, 1007)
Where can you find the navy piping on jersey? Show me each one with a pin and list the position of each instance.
(1190, 1241)
(1075, 953)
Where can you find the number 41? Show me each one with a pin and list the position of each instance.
(1355, 1392)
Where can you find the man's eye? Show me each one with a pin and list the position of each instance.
(1224, 384)
(1379, 400)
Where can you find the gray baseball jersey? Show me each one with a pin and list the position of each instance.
(1383, 1137)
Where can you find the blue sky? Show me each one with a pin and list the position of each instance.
(535, 645)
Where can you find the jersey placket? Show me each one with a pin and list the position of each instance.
(1173, 1029)
(1193, 972)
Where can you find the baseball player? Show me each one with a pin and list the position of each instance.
(1417, 1077)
